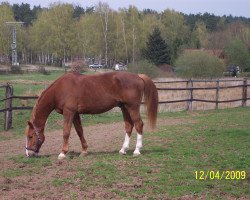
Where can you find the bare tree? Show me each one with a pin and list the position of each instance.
(103, 10)
(124, 38)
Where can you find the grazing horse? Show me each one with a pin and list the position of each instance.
(73, 94)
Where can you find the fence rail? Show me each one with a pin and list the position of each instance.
(204, 88)
(17, 108)
(201, 81)
(189, 87)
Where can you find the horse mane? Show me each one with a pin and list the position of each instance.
(40, 96)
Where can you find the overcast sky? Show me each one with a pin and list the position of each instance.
(217, 7)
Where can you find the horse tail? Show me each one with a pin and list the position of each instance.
(151, 99)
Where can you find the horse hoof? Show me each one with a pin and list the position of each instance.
(136, 154)
(122, 152)
(61, 156)
(83, 153)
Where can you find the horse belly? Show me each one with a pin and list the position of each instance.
(96, 107)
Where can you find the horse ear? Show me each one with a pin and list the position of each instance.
(30, 124)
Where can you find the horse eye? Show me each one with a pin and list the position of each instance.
(30, 137)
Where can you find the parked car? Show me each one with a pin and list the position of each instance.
(120, 67)
(95, 65)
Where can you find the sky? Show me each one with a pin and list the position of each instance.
(217, 7)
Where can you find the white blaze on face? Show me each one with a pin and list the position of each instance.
(26, 151)
(29, 152)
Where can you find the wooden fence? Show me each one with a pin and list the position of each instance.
(8, 108)
(189, 87)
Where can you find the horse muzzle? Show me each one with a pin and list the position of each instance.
(31, 152)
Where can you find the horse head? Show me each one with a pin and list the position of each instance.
(34, 139)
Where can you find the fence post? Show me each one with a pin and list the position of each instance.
(217, 93)
(189, 104)
(8, 105)
(244, 93)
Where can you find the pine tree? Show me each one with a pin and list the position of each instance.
(157, 51)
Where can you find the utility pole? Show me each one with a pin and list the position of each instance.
(14, 45)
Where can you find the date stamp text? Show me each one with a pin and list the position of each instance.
(220, 175)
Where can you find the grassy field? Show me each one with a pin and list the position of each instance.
(208, 141)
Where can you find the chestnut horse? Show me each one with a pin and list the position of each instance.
(73, 94)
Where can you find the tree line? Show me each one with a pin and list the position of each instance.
(62, 32)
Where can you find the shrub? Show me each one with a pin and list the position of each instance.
(199, 65)
(143, 67)
(43, 71)
(237, 54)
(16, 69)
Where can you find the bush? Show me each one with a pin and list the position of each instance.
(237, 54)
(43, 71)
(244, 74)
(199, 65)
(16, 70)
(143, 67)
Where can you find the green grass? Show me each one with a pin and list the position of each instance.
(22, 88)
(25, 166)
(34, 162)
(31, 76)
(10, 173)
(208, 141)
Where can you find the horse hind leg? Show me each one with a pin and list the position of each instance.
(128, 128)
(136, 118)
(78, 126)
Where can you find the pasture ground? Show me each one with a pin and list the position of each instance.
(183, 143)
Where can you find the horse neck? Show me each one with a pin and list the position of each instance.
(42, 109)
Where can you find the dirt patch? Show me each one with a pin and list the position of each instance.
(6, 135)
(100, 138)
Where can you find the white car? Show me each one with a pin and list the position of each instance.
(120, 67)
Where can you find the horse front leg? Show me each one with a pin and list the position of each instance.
(67, 124)
(78, 126)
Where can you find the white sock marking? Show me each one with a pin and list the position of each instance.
(61, 156)
(138, 144)
(126, 141)
(125, 145)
